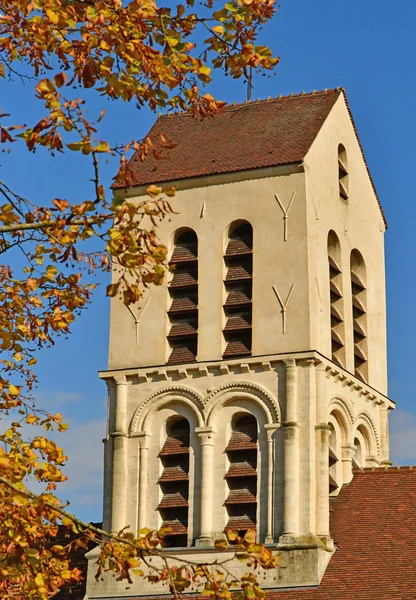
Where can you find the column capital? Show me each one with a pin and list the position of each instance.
(290, 362)
(143, 438)
(120, 380)
(205, 434)
(270, 428)
(323, 427)
(348, 451)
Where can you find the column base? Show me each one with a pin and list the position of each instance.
(304, 540)
(204, 541)
(269, 539)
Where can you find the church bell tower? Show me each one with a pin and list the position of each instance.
(244, 389)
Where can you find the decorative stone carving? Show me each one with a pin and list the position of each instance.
(246, 387)
(167, 394)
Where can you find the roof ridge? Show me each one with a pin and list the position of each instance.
(268, 100)
(383, 469)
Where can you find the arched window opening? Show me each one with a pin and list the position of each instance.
(342, 173)
(358, 454)
(174, 482)
(183, 290)
(333, 460)
(238, 284)
(241, 502)
(359, 313)
(336, 300)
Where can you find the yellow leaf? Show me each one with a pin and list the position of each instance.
(52, 16)
(153, 191)
(218, 29)
(112, 289)
(13, 390)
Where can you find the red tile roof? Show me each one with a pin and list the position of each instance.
(257, 134)
(253, 135)
(373, 523)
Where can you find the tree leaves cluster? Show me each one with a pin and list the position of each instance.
(64, 51)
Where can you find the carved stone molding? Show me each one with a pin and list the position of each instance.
(366, 420)
(173, 392)
(247, 387)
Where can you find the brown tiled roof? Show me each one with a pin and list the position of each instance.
(245, 136)
(257, 134)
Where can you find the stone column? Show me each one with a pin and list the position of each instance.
(270, 429)
(384, 434)
(322, 436)
(119, 437)
(143, 477)
(291, 457)
(348, 453)
(323, 432)
(206, 436)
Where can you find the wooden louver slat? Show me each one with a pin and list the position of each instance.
(238, 283)
(336, 304)
(183, 290)
(174, 483)
(241, 502)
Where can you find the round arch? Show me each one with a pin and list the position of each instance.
(163, 398)
(246, 391)
(366, 427)
(344, 416)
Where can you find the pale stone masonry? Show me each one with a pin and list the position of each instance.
(315, 379)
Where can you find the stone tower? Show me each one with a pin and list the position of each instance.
(243, 389)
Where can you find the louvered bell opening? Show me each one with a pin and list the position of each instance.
(238, 322)
(239, 247)
(359, 355)
(342, 169)
(337, 342)
(342, 191)
(335, 292)
(336, 360)
(332, 458)
(185, 253)
(332, 485)
(183, 289)
(359, 375)
(174, 483)
(359, 333)
(357, 283)
(334, 268)
(357, 308)
(184, 278)
(241, 502)
(240, 272)
(336, 318)
(238, 298)
(238, 345)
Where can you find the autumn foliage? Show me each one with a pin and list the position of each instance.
(159, 57)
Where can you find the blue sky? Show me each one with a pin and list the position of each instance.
(367, 47)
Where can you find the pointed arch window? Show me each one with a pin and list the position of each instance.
(359, 314)
(174, 482)
(241, 477)
(336, 300)
(342, 173)
(239, 289)
(183, 291)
